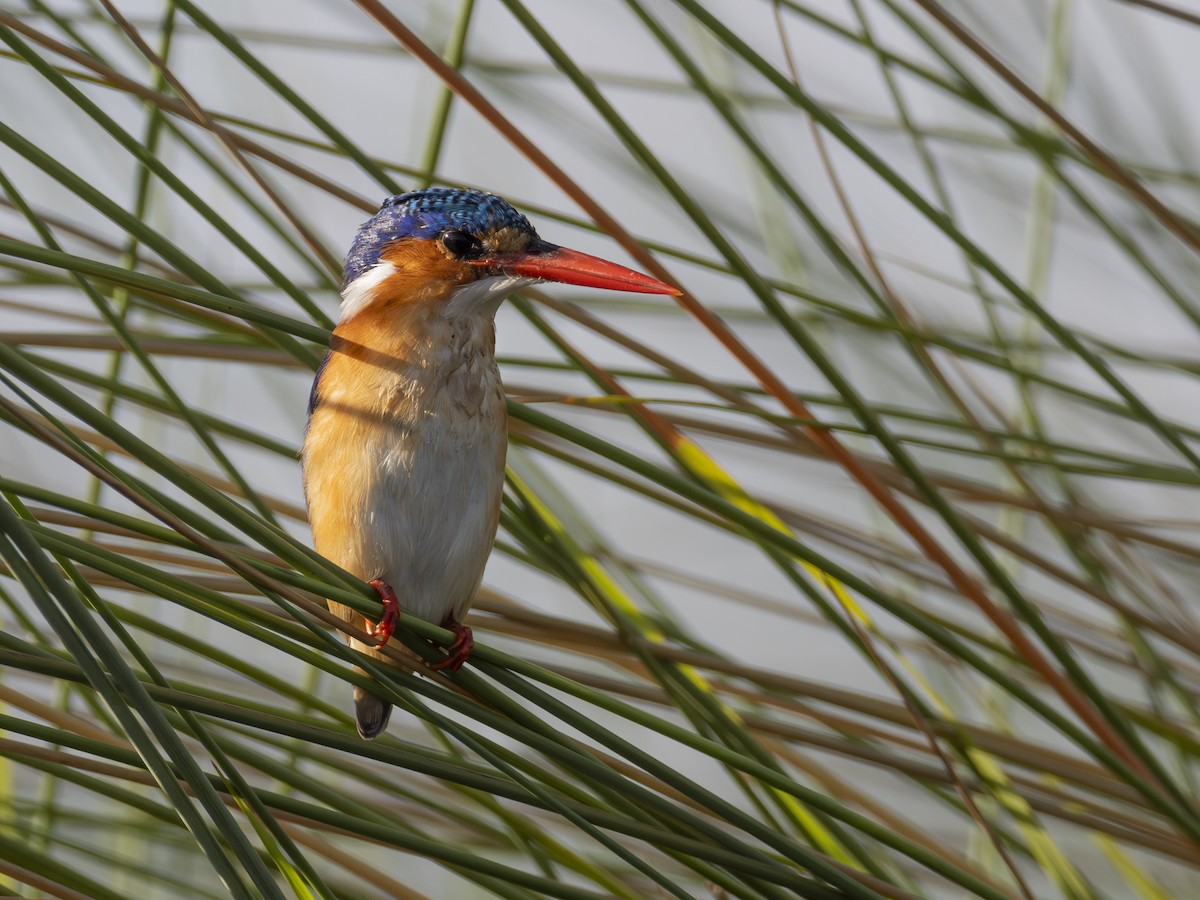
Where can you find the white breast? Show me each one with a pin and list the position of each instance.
(430, 516)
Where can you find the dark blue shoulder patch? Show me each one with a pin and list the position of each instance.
(314, 395)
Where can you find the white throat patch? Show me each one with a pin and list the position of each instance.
(483, 297)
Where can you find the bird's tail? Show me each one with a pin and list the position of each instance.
(371, 712)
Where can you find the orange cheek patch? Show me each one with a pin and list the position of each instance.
(420, 278)
(424, 273)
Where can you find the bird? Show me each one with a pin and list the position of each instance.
(404, 449)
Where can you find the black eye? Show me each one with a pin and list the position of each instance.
(459, 243)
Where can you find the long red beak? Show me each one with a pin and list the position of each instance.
(550, 262)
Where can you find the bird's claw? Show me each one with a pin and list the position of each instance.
(383, 629)
(460, 650)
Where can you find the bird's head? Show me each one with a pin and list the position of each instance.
(465, 251)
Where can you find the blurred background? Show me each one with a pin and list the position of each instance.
(866, 568)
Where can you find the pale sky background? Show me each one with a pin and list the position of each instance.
(1131, 85)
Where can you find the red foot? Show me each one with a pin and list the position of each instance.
(382, 630)
(464, 643)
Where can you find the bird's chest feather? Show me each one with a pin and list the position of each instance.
(404, 458)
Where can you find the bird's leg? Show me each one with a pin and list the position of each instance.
(464, 643)
(382, 630)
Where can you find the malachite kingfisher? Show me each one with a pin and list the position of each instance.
(407, 432)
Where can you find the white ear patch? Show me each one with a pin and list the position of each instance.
(482, 297)
(357, 293)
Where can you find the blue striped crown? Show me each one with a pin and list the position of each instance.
(426, 214)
